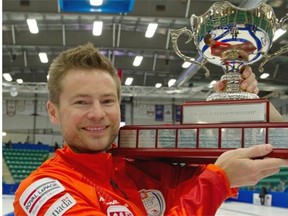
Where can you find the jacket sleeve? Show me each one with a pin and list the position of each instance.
(188, 190)
(34, 197)
(203, 194)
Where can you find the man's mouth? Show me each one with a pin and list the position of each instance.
(102, 128)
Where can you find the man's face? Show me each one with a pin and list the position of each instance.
(88, 112)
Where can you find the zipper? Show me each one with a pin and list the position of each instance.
(115, 185)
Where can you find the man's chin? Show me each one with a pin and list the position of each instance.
(99, 150)
(90, 149)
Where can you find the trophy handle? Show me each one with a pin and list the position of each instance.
(175, 33)
(282, 50)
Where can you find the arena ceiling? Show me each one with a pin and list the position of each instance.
(122, 39)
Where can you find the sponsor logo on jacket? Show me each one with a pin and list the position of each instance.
(61, 205)
(118, 210)
(38, 193)
(153, 202)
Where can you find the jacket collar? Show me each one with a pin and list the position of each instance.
(94, 166)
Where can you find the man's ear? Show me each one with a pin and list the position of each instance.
(53, 112)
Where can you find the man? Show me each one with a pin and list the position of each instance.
(262, 195)
(81, 179)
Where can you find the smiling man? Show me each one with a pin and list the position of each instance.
(82, 179)
(89, 110)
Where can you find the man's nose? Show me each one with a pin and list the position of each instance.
(96, 110)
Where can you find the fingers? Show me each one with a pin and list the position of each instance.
(260, 174)
(249, 82)
(269, 172)
(271, 163)
(253, 89)
(220, 85)
(246, 72)
(256, 151)
(263, 168)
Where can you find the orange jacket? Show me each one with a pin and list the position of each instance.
(99, 184)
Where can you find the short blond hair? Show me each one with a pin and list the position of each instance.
(81, 57)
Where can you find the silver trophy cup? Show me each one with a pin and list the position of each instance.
(232, 37)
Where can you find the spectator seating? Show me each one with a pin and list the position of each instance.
(22, 161)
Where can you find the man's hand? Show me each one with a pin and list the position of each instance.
(248, 84)
(244, 167)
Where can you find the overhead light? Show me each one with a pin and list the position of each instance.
(7, 77)
(96, 2)
(128, 81)
(264, 75)
(171, 82)
(158, 85)
(278, 33)
(20, 81)
(13, 91)
(186, 64)
(4, 133)
(32, 25)
(212, 83)
(151, 29)
(43, 57)
(97, 28)
(137, 61)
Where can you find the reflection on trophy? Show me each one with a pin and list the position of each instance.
(232, 37)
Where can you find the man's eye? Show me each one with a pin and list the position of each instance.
(107, 101)
(81, 102)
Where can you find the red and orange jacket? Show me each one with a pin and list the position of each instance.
(99, 184)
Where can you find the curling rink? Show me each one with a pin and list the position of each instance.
(228, 208)
(240, 209)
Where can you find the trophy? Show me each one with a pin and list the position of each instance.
(232, 37)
